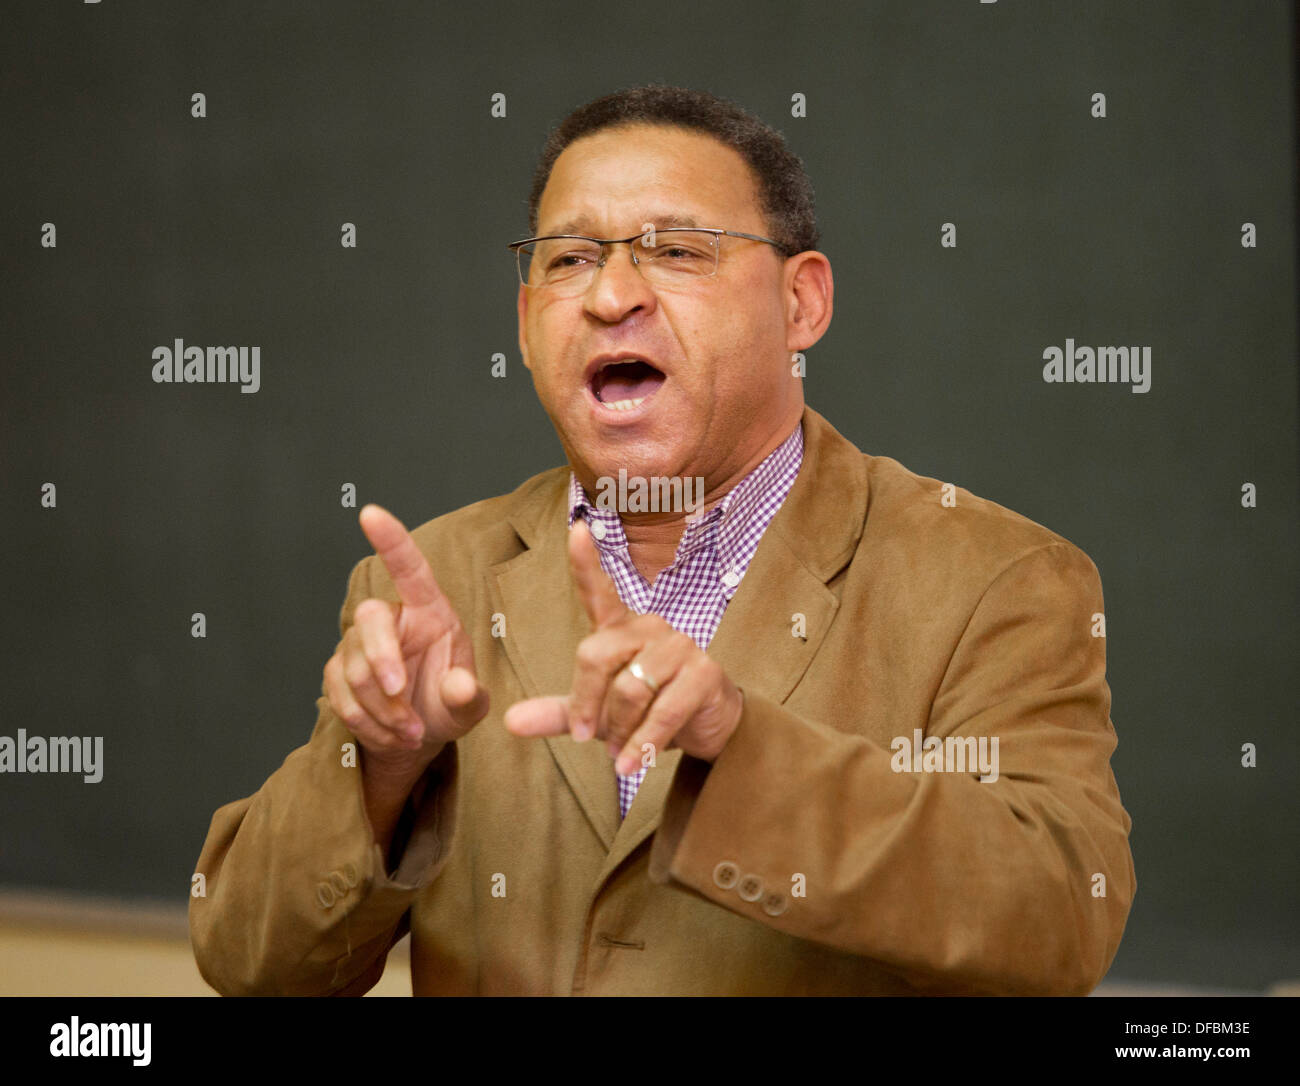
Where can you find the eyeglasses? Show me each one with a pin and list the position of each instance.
(565, 264)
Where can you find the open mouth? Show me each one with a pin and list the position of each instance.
(626, 385)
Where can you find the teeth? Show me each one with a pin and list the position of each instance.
(626, 405)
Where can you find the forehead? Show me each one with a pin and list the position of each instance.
(618, 179)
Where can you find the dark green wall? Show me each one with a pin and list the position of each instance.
(375, 365)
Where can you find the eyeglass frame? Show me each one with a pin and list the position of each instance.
(602, 242)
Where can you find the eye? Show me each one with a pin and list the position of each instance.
(563, 261)
(573, 259)
(679, 253)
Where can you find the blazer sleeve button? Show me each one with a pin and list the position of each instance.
(775, 903)
(725, 875)
(750, 888)
(325, 895)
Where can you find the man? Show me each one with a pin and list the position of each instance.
(525, 755)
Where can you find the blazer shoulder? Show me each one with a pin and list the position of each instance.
(489, 531)
(951, 526)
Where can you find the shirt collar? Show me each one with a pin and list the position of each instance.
(758, 493)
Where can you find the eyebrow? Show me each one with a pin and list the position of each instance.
(662, 222)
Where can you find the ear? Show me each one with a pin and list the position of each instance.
(521, 306)
(810, 293)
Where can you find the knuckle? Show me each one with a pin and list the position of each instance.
(626, 689)
(668, 722)
(377, 655)
(370, 615)
(672, 710)
(380, 743)
(382, 614)
(590, 654)
(341, 708)
(704, 668)
(356, 669)
(376, 731)
(386, 716)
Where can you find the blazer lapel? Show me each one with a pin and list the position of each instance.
(545, 621)
(813, 536)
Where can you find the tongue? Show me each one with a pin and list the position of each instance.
(629, 381)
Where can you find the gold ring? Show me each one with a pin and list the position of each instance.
(635, 668)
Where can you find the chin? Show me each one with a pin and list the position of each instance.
(638, 456)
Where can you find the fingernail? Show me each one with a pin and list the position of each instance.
(392, 682)
(581, 731)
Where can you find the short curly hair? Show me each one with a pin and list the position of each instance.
(785, 191)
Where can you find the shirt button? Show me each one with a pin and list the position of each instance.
(731, 578)
(725, 875)
(598, 529)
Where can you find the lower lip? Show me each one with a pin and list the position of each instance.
(615, 416)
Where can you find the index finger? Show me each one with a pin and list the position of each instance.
(597, 591)
(406, 564)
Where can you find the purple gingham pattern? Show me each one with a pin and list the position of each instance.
(714, 552)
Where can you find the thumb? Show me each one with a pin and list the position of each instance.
(466, 701)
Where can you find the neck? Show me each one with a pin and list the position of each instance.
(653, 538)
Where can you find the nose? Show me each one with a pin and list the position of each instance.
(618, 287)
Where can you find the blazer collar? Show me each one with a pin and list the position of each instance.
(812, 537)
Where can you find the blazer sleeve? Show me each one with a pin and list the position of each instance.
(1017, 886)
(299, 899)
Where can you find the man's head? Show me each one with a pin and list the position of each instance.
(719, 389)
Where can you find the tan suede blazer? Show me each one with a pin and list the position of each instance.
(810, 858)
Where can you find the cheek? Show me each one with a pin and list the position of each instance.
(545, 332)
(753, 318)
